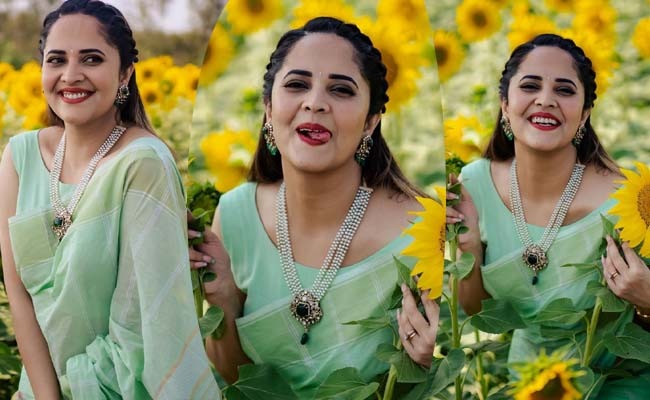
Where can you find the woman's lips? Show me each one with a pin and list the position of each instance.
(74, 96)
(544, 121)
(313, 134)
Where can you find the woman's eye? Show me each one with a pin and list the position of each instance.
(528, 87)
(565, 90)
(55, 60)
(296, 85)
(343, 90)
(93, 59)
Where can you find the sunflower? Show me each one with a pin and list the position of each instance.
(641, 37)
(476, 20)
(308, 9)
(449, 54)
(458, 137)
(152, 69)
(25, 87)
(412, 12)
(150, 93)
(402, 59)
(597, 16)
(228, 155)
(561, 5)
(549, 377)
(600, 51)
(186, 81)
(35, 115)
(428, 244)
(247, 16)
(525, 27)
(218, 54)
(633, 208)
(6, 73)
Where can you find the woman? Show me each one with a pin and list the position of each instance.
(321, 167)
(92, 229)
(544, 167)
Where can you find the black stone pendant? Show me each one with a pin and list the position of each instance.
(304, 339)
(58, 221)
(302, 309)
(535, 280)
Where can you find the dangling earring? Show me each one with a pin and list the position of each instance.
(267, 131)
(580, 133)
(507, 129)
(122, 95)
(363, 150)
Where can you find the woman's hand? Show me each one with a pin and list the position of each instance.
(627, 275)
(417, 333)
(211, 254)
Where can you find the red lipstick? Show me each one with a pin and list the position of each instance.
(313, 134)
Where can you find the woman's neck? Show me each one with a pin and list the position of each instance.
(318, 200)
(83, 141)
(544, 175)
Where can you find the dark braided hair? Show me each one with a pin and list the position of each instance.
(590, 150)
(117, 33)
(380, 169)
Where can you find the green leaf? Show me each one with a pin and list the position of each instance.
(557, 333)
(461, 267)
(208, 276)
(447, 371)
(403, 274)
(585, 381)
(442, 373)
(407, 370)
(345, 384)
(259, 382)
(488, 345)
(608, 226)
(211, 321)
(611, 302)
(633, 343)
(559, 311)
(497, 316)
(396, 297)
(372, 322)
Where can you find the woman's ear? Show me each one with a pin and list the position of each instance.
(267, 111)
(371, 123)
(125, 76)
(585, 115)
(504, 108)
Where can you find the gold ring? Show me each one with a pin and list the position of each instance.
(410, 335)
(614, 275)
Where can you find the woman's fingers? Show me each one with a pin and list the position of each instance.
(199, 260)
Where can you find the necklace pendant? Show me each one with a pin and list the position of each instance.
(535, 258)
(305, 307)
(60, 224)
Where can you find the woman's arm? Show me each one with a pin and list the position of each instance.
(31, 343)
(225, 353)
(470, 290)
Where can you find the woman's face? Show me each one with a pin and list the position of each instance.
(545, 100)
(81, 71)
(319, 104)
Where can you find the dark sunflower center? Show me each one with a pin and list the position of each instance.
(391, 67)
(479, 19)
(554, 390)
(441, 239)
(147, 73)
(442, 55)
(643, 204)
(255, 6)
(150, 97)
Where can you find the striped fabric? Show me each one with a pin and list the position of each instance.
(113, 298)
(505, 276)
(268, 332)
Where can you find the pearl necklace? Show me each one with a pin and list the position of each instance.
(534, 255)
(62, 213)
(305, 304)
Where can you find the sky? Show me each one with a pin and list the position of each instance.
(177, 18)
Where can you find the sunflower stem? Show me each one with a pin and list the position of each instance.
(480, 375)
(392, 375)
(453, 309)
(591, 331)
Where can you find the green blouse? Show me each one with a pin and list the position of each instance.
(113, 298)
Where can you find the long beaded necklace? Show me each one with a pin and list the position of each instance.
(534, 255)
(305, 305)
(62, 213)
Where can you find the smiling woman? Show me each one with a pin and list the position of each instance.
(322, 216)
(92, 229)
